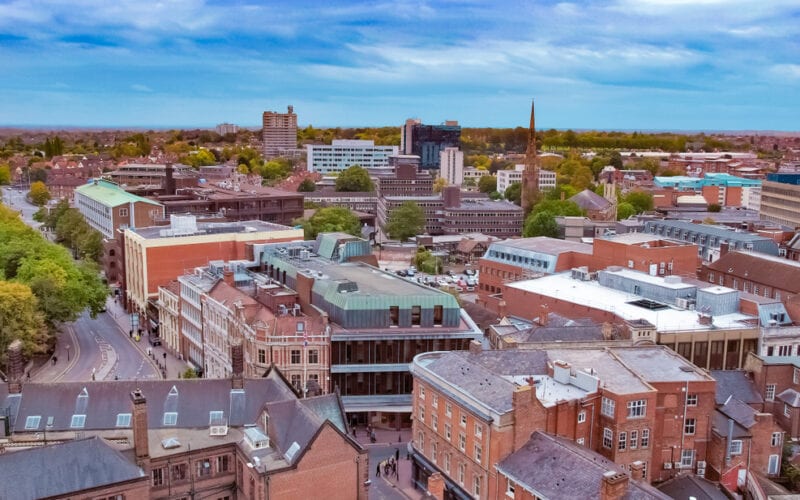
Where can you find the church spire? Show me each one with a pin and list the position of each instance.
(530, 176)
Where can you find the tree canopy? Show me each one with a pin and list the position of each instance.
(354, 179)
(640, 200)
(306, 186)
(405, 221)
(39, 194)
(513, 193)
(329, 220)
(487, 184)
(540, 224)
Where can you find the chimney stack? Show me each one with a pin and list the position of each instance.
(237, 364)
(475, 347)
(544, 315)
(141, 445)
(614, 485)
(436, 486)
(16, 367)
(169, 179)
(723, 248)
(637, 470)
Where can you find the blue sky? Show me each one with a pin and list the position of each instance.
(614, 64)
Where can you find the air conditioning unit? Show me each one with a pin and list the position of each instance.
(701, 472)
(701, 464)
(667, 465)
(677, 465)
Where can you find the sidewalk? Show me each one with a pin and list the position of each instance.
(389, 438)
(48, 371)
(168, 364)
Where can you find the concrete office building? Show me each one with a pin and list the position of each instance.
(780, 198)
(279, 133)
(505, 178)
(451, 161)
(343, 154)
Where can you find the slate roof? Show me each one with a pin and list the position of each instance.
(740, 412)
(790, 397)
(691, 486)
(191, 399)
(589, 200)
(559, 328)
(719, 424)
(735, 383)
(554, 467)
(61, 469)
(775, 272)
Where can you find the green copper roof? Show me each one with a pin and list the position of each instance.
(110, 194)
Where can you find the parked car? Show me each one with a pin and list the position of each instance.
(400, 272)
(411, 271)
(469, 272)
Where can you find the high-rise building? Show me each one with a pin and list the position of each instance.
(427, 141)
(780, 195)
(343, 154)
(451, 166)
(279, 132)
(530, 176)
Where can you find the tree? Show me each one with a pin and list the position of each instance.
(487, 184)
(307, 186)
(405, 221)
(558, 207)
(427, 262)
(714, 207)
(540, 224)
(640, 200)
(21, 319)
(439, 184)
(5, 175)
(625, 210)
(39, 194)
(331, 220)
(513, 193)
(615, 160)
(354, 179)
(199, 158)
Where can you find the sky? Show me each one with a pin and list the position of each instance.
(612, 64)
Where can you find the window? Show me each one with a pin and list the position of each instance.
(223, 463)
(645, 438)
(438, 315)
(435, 401)
(608, 438)
(32, 422)
(446, 460)
(581, 416)
(178, 472)
(123, 420)
(448, 409)
(689, 426)
(691, 400)
(510, 487)
(158, 477)
(787, 410)
(301, 326)
(447, 431)
(421, 392)
(434, 450)
(607, 407)
(123, 212)
(776, 438)
(77, 422)
(416, 315)
(772, 467)
(170, 418)
(463, 420)
(637, 409)
(478, 453)
(394, 316)
(295, 356)
(435, 422)
(462, 441)
(769, 394)
(476, 486)
(421, 413)
(736, 447)
(313, 357)
(296, 381)
(262, 356)
(478, 430)
(215, 416)
(462, 473)
(633, 441)
(622, 441)
(796, 376)
(421, 441)
(202, 468)
(687, 458)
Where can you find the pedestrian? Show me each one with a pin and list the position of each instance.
(29, 375)
(354, 432)
(130, 333)
(396, 454)
(378, 470)
(55, 359)
(399, 440)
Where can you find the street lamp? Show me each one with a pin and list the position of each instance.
(67, 347)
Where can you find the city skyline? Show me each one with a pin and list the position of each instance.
(622, 64)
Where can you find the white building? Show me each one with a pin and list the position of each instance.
(343, 154)
(226, 128)
(505, 178)
(451, 161)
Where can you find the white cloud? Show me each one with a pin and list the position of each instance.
(786, 71)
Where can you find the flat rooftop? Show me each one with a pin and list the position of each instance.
(670, 319)
(543, 244)
(673, 282)
(204, 228)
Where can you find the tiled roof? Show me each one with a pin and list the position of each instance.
(740, 412)
(735, 383)
(61, 469)
(790, 397)
(555, 467)
(691, 486)
(773, 272)
(589, 200)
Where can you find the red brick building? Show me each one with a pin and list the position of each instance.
(778, 380)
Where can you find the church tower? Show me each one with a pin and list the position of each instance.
(530, 176)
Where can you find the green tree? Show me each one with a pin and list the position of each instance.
(487, 184)
(558, 207)
(5, 175)
(405, 221)
(540, 224)
(513, 193)
(625, 210)
(427, 262)
(615, 160)
(439, 184)
(714, 207)
(330, 220)
(307, 186)
(354, 179)
(21, 319)
(273, 170)
(640, 200)
(199, 158)
(39, 194)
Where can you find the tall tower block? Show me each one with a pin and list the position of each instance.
(530, 176)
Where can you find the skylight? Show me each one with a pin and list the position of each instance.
(77, 422)
(123, 420)
(32, 422)
(170, 418)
